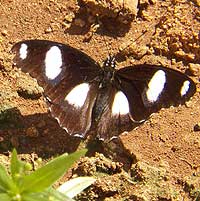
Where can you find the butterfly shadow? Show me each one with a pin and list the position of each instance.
(113, 150)
(84, 23)
(38, 133)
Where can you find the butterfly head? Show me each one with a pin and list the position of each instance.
(110, 62)
(108, 71)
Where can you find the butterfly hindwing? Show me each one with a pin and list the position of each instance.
(149, 88)
(114, 117)
(62, 70)
(74, 112)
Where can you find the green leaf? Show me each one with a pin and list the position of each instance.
(5, 197)
(6, 182)
(2, 189)
(18, 168)
(75, 186)
(45, 176)
(14, 164)
(34, 197)
(59, 196)
(48, 195)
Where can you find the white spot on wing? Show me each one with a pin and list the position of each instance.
(23, 51)
(156, 86)
(78, 95)
(185, 88)
(53, 62)
(58, 120)
(78, 135)
(65, 129)
(120, 104)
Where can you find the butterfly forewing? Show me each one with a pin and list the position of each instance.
(49, 62)
(149, 88)
(62, 70)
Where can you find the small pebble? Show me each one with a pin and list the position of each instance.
(175, 148)
(182, 54)
(15, 141)
(4, 32)
(194, 69)
(32, 132)
(48, 30)
(70, 17)
(41, 124)
(79, 22)
(197, 127)
(1, 139)
(133, 50)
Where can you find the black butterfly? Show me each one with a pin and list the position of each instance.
(79, 92)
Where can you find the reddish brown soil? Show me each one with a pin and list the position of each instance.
(160, 160)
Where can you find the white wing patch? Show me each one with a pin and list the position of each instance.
(78, 95)
(23, 51)
(185, 88)
(120, 104)
(156, 86)
(53, 62)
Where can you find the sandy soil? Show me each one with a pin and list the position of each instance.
(160, 160)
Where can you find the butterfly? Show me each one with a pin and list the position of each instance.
(80, 93)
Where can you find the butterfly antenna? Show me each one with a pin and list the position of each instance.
(144, 32)
(136, 39)
(110, 56)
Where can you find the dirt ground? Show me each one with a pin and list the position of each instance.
(160, 160)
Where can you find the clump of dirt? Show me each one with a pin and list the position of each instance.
(181, 34)
(92, 165)
(144, 182)
(121, 11)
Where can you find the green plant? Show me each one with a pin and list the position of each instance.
(23, 185)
